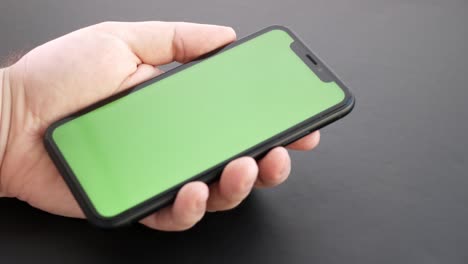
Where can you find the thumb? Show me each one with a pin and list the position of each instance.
(158, 43)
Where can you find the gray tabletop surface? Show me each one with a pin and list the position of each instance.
(388, 184)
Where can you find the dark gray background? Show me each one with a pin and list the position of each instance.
(388, 184)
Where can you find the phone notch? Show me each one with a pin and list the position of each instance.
(310, 60)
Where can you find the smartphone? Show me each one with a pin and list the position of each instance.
(128, 155)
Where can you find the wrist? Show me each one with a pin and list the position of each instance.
(5, 119)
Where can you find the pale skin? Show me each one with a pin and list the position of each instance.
(85, 66)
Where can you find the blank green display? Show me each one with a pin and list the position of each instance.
(151, 140)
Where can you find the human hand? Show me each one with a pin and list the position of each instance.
(93, 63)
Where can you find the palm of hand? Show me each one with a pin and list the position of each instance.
(74, 71)
(59, 78)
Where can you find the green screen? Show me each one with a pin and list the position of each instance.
(157, 137)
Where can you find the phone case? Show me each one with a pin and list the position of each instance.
(211, 174)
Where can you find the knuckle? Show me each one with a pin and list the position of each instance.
(105, 24)
(230, 202)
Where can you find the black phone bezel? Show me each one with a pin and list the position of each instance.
(158, 201)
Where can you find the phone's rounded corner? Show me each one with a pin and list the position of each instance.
(278, 27)
(49, 134)
(91, 213)
(127, 217)
(350, 99)
(348, 103)
(281, 28)
(94, 217)
(103, 222)
(48, 137)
